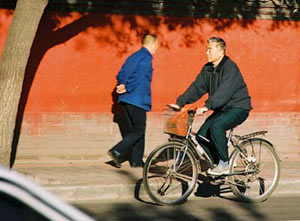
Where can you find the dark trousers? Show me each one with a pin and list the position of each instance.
(214, 129)
(134, 139)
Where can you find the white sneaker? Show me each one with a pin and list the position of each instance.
(219, 170)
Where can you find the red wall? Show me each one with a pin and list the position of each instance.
(75, 60)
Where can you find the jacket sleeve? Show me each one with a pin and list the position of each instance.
(194, 92)
(226, 88)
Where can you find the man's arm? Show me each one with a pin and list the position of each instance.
(128, 68)
(194, 92)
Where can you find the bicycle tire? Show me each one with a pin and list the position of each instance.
(164, 185)
(259, 168)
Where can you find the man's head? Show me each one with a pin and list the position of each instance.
(215, 50)
(150, 42)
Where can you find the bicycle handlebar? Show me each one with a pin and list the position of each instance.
(188, 110)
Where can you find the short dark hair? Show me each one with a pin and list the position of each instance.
(149, 38)
(218, 40)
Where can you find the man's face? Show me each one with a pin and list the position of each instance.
(214, 52)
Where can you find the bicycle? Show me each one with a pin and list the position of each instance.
(171, 170)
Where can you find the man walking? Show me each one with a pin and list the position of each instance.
(134, 87)
(228, 98)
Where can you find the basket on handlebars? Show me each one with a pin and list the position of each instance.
(177, 123)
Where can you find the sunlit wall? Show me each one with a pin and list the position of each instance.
(75, 59)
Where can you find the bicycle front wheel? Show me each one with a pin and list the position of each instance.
(255, 172)
(170, 174)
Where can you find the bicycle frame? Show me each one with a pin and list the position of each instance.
(188, 141)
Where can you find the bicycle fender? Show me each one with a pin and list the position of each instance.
(174, 139)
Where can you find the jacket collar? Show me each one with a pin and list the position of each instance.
(220, 65)
(145, 50)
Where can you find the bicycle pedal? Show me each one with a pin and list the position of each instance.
(217, 177)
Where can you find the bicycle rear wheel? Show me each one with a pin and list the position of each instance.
(256, 171)
(170, 174)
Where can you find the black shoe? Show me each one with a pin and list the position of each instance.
(134, 165)
(115, 156)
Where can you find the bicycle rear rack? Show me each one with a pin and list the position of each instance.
(247, 136)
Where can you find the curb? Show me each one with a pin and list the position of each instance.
(103, 182)
(130, 191)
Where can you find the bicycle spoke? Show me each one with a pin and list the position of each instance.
(162, 191)
(174, 188)
(164, 184)
(262, 185)
(182, 176)
(257, 168)
(168, 157)
(259, 159)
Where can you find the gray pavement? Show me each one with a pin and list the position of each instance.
(98, 180)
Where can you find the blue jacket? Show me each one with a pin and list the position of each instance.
(136, 74)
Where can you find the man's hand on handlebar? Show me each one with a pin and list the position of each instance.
(201, 110)
(175, 107)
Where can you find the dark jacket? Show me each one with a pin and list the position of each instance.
(224, 84)
(136, 74)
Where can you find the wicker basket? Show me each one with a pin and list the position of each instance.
(176, 123)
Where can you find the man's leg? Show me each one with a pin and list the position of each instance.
(125, 126)
(139, 124)
(205, 132)
(138, 153)
(225, 121)
(219, 125)
(137, 117)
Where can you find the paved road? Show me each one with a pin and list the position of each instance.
(213, 208)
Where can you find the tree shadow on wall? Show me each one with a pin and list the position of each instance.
(50, 26)
(245, 11)
(55, 36)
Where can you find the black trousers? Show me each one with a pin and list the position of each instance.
(134, 139)
(214, 129)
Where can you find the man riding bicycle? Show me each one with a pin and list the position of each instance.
(228, 98)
